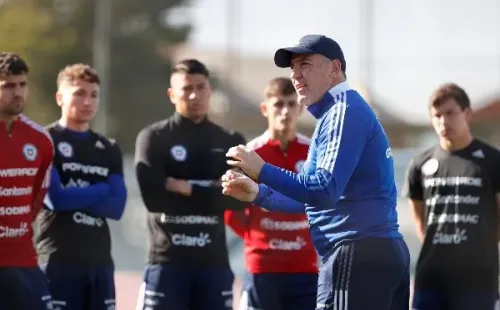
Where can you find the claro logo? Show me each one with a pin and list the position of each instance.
(14, 232)
(191, 241)
(287, 245)
(84, 219)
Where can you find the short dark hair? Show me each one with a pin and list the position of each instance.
(12, 64)
(190, 66)
(450, 91)
(79, 71)
(279, 86)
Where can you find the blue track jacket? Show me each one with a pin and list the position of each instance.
(346, 186)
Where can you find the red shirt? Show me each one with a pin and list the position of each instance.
(276, 242)
(25, 159)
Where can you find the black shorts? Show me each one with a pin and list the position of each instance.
(279, 291)
(75, 287)
(366, 274)
(171, 286)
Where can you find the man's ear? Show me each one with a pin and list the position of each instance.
(170, 95)
(263, 109)
(59, 99)
(468, 114)
(336, 67)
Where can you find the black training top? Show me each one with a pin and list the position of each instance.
(72, 226)
(459, 190)
(185, 229)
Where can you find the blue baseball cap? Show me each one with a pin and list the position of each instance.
(311, 44)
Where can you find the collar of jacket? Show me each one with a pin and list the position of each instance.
(187, 123)
(319, 108)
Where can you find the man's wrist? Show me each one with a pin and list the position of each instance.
(189, 189)
(261, 194)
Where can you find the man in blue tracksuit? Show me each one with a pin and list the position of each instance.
(346, 187)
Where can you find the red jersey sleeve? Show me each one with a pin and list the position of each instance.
(237, 221)
(42, 179)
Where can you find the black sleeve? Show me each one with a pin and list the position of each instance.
(496, 175)
(412, 188)
(149, 169)
(214, 194)
(116, 166)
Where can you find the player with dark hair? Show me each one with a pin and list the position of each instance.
(179, 163)
(86, 189)
(454, 191)
(25, 158)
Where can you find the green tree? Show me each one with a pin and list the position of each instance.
(139, 73)
(33, 34)
(50, 34)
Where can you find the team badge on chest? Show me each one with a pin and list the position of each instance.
(65, 149)
(430, 167)
(29, 152)
(178, 152)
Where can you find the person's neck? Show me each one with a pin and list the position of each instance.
(197, 120)
(8, 120)
(194, 119)
(336, 82)
(283, 136)
(75, 126)
(459, 144)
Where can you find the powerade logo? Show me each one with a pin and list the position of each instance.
(18, 172)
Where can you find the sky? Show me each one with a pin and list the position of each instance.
(417, 44)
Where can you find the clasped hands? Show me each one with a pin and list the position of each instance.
(238, 185)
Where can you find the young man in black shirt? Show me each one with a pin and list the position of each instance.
(179, 162)
(87, 188)
(453, 190)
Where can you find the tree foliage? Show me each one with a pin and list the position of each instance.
(50, 34)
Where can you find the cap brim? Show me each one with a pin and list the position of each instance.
(283, 56)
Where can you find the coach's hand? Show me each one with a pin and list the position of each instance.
(248, 160)
(239, 186)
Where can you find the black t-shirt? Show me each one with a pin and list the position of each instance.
(459, 192)
(78, 236)
(185, 229)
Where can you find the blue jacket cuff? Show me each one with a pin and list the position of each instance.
(261, 195)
